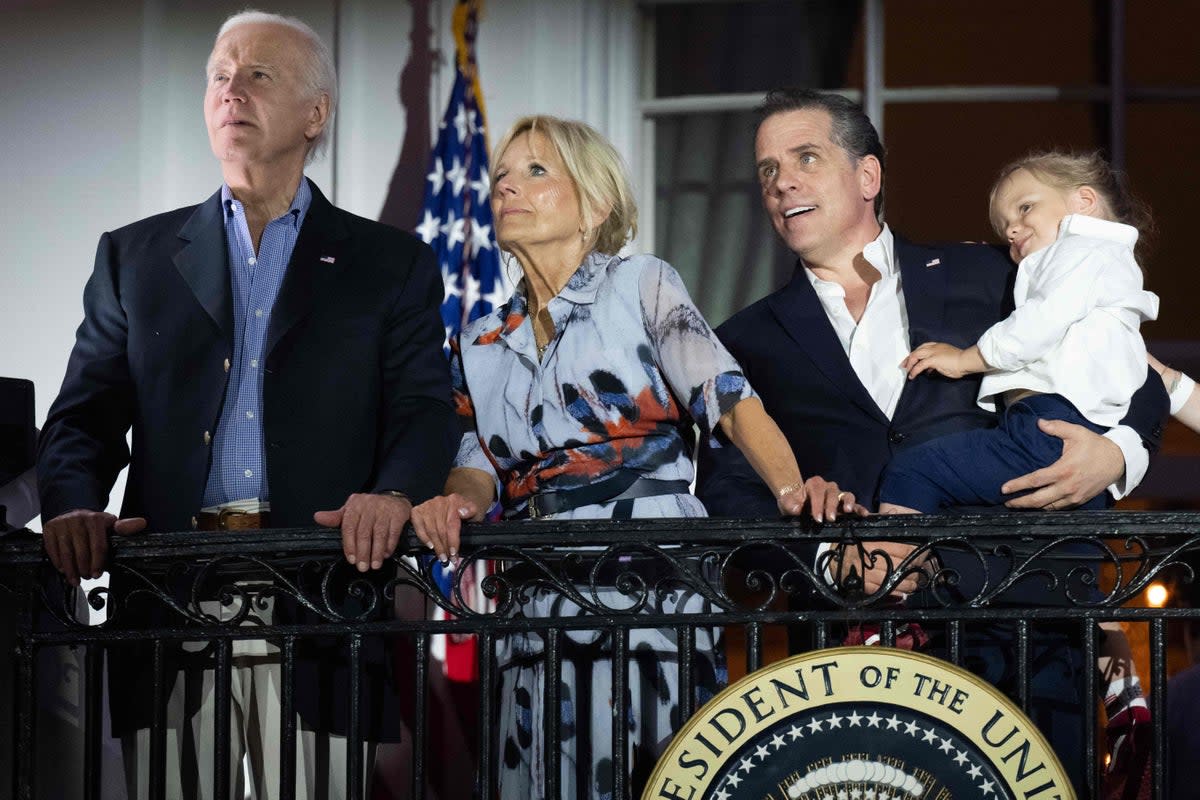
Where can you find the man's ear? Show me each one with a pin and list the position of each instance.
(318, 115)
(870, 176)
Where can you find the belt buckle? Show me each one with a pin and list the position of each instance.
(223, 515)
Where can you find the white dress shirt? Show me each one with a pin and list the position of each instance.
(879, 342)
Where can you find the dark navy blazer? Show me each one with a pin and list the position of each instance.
(356, 390)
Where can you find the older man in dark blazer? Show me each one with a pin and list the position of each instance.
(279, 360)
(824, 354)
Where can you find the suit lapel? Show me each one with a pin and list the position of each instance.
(801, 314)
(203, 263)
(923, 278)
(317, 260)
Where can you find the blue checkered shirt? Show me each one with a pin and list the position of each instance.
(237, 471)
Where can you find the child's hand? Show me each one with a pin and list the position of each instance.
(944, 359)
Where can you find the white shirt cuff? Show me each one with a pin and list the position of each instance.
(1137, 460)
(822, 548)
(1181, 393)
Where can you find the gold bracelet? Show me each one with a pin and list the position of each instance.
(791, 487)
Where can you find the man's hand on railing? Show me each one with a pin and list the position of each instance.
(876, 569)
(77, 541)
(438, 522)
(371, 526)
(1090, 463)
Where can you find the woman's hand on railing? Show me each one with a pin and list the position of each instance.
(823, 498)
(438, 522)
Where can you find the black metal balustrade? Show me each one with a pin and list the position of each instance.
(745, 569)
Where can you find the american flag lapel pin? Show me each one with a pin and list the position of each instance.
(933, 262)
(327, 259)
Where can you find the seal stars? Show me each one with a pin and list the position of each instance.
(855, 778)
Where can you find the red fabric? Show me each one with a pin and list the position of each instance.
(909, 636)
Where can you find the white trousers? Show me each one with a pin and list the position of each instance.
(254, 735)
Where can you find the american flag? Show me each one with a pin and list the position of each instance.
(457, 224)
(457, 220)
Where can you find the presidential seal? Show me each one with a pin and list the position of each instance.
(859, 723)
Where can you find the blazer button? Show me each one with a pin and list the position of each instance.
(227, 365)
(207, 438)
(896, 437)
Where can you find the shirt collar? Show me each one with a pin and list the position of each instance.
(879, 253)
(582, 287)
(298, 209)
(1083, 225)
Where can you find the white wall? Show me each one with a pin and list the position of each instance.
(101, 123)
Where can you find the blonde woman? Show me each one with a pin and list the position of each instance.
(578, 398)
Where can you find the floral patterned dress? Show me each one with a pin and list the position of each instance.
(631, 367)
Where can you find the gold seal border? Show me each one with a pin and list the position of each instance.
(848, 685)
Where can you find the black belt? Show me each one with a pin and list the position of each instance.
(622, 486)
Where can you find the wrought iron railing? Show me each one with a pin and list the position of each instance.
(755, 575)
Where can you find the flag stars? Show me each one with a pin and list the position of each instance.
(762, 752)
(974, 771)
(460, 123)
(835, 721)
(454, 230)
(428, 229)
(986, 787)
(946, 746)
(911, 728)
(482, 187)
(456, 176)
(734, 779)
(747, 764)
(893, 723)
(929, 736)
(481, 239)
(855, 719)
(721, 795)
(438, 176)
(873, 720)
(471, 290)
(814, 726)
(960, 758)
(796, 732)
(777, 741)
(498, 295)
(450, 288)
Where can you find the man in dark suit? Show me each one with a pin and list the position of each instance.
(824, 352)
(278, 360)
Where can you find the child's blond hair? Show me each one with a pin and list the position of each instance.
(1067, 171)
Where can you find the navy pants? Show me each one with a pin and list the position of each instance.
(968, 468)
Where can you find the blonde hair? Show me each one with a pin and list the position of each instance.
(597, 170)
(1067, 171)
